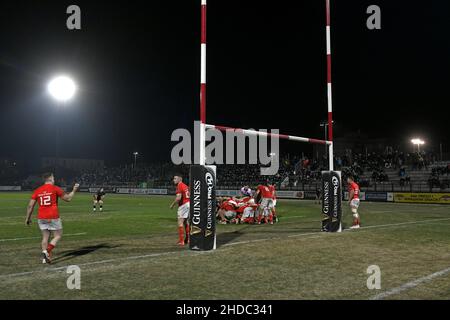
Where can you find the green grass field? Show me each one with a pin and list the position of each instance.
(129, 252)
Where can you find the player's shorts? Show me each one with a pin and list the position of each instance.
(248, 213)
(230, 214)
(50, 224)
(266, 203)
(354, 203)
(183, 211)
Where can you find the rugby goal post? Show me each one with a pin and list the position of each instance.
(330, 215)
(203, 125)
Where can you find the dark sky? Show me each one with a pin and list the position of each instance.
(137, 68)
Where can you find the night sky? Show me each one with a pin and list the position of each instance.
(137, 65)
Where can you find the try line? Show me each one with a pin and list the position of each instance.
(28, 238)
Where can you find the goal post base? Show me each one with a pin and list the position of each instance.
(202, 215)
(331, 201)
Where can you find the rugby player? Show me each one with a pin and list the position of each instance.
(98, 199)
(227, 211)
(49, 221)
(318, 195)
(246, 210)
(264, 195)
(272, 189)
(353, 201)
(182, 199)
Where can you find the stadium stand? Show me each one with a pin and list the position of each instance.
(395, 171)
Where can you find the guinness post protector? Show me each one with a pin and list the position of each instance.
(202, 217)
(331, 201)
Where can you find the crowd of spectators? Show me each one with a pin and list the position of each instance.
(374, 165)
(125, 175)
(368, 169)
(440, 177)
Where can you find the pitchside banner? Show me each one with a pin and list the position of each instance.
(202, 218)
(443, 198)
(331, 201)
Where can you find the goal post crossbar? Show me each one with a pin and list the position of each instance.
(268, 134)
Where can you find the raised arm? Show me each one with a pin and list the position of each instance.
(68, 196)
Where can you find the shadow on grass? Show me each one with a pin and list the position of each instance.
(287, 231)
(68, 255)
(264, 231)
(227, 237)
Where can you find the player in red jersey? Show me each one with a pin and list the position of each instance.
(227, 211)
(274, 202)
(48, 215)
(246, 210)
(182, 199)
(264, 194)
(353, 200)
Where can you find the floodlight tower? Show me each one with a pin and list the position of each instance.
(417, 142)
(135, 154)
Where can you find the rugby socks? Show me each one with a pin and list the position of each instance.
(181, 234)
(248, 220)
(356, 220)
(260, 215)
(50, 247)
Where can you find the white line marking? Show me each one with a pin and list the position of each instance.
(305, 234)
(247, 241)
(399, 224)
(28, 238)
(290, 217)
(17, 274)
(151, 255)
(410, 285)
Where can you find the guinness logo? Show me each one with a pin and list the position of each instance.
(208, 233)
(195, 230)
(335, 181)
(209, 179)
(325, 217)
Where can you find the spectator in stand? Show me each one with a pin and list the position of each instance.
(402, 172)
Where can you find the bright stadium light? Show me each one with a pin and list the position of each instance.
(417, 142)
(62, 88)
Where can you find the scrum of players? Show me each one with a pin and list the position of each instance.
(252, 207)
